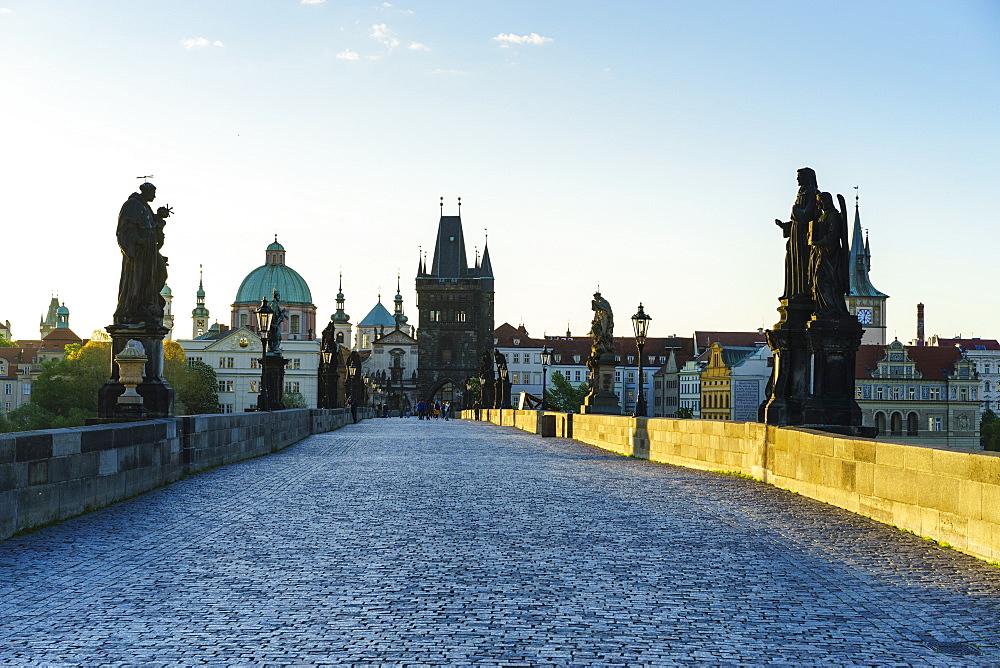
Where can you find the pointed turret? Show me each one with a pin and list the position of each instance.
(51, 319)
(199, 315)
(860, 262)
(486, 267)
(341, 321)
(397, 314)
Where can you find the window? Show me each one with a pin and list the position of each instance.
(618, 376)
(857, 392)
(8, 388)
(911, 393)
(254, 363)
(517, 358)
(974, 394)
(434, 316)
(880, 392)
(6, 407)
(897, 392)
(226, 408)
(963, 394)
(459, 316)
(226, 362)
(291, 386)
(935, 395)
(293, 324)
(296, 363)
(3, 370)
(225, 386)
(244, 319)
(954, 392)
(934, 424)
(576, 376)
(253, 386)
(631, 376)
(26, 389)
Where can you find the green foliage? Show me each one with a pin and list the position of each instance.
(685, 413)
(989, 431)
(562, 396)
(30, 417)
(195, 384)
(7, 343)
(68, 387)
(475, 390)
(294, 400)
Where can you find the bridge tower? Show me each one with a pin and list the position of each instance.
(455, 310)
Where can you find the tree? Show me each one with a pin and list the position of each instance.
(294, 400)
(68, 387)
(563, 396)
(685, 413)
(195, 384)
(7, 343)
(989, 431)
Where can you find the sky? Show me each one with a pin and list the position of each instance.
(645, 147)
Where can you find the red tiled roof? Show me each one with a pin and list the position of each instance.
(970, 344)
(931, 361)
(730, 339)
(568, 348)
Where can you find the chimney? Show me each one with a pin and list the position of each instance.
(920, 324)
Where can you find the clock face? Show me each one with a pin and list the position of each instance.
(865, 316)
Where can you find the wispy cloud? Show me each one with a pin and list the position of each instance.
(388, 5)
(4, 10)
(382, 34)
(312, 2)
(199, 43)
(510, 38)
(347, 54)
(417, 46)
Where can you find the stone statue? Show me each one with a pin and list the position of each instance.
(274, 331)
(804, 212)
(603, 326)
(144, 270)
(502, 392)
(486, 379)
(828, 258)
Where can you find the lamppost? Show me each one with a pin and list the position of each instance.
(328, 399)
(546, 358)
(640, 323)
(264, 315)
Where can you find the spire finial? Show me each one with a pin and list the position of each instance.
(398, 273)
(340, 284)
(460, 207)
(442, 205)
(857, 196)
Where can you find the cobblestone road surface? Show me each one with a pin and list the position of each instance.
(423, 542)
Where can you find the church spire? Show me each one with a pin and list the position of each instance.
(397, 314)
(199, 315)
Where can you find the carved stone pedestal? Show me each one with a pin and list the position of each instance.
(831, 406)
(602, 399)
(792, 361)
(274, 379)
(157, 395)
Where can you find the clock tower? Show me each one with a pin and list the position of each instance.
(863, 299)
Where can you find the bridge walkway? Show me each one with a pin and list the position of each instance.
(429, 542)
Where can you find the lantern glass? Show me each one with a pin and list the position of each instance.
(264, 315)
(640, 323)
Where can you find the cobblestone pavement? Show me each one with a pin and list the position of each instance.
(429, 542)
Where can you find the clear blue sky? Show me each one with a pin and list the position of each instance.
(648, 146)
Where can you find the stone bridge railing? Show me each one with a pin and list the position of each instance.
(950, 495)
(52, 475)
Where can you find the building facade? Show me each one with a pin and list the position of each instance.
(455, 307)
(919, 394)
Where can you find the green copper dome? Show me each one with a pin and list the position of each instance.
(275, 246)
(267, 278)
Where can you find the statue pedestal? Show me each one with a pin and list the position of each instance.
(792, 362)
(274, 379)
(831, 406)
(602, 399)
(157, 395)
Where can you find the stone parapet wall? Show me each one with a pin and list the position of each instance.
(48, 476)
(951, 495)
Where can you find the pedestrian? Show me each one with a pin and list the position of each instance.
(420, 409)
(437, 409)
(354, 410)
(447, 410)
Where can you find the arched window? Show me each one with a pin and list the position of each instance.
(896, 424)
(880, 422)
(244, 319)
(293, 324)
(340, 337)
(911, 424)
(986, 386)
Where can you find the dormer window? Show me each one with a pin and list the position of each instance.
(631, 359)
(576, 358)
(517, 342)
(558, 358)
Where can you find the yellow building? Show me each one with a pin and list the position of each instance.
(716, 380)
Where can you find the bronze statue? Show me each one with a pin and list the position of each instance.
(144, 270)
(274, 331)
(486, 381)
(828, 258)
(804, 212)
(603, 326)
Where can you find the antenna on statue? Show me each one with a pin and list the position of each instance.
(147, 176)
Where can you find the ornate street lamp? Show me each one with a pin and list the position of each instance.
(327, 355)
(264, 315)
(546, 359)
(640, 323)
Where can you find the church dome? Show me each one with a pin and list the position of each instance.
(273, 276)
(166, 291)
(62, 310)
